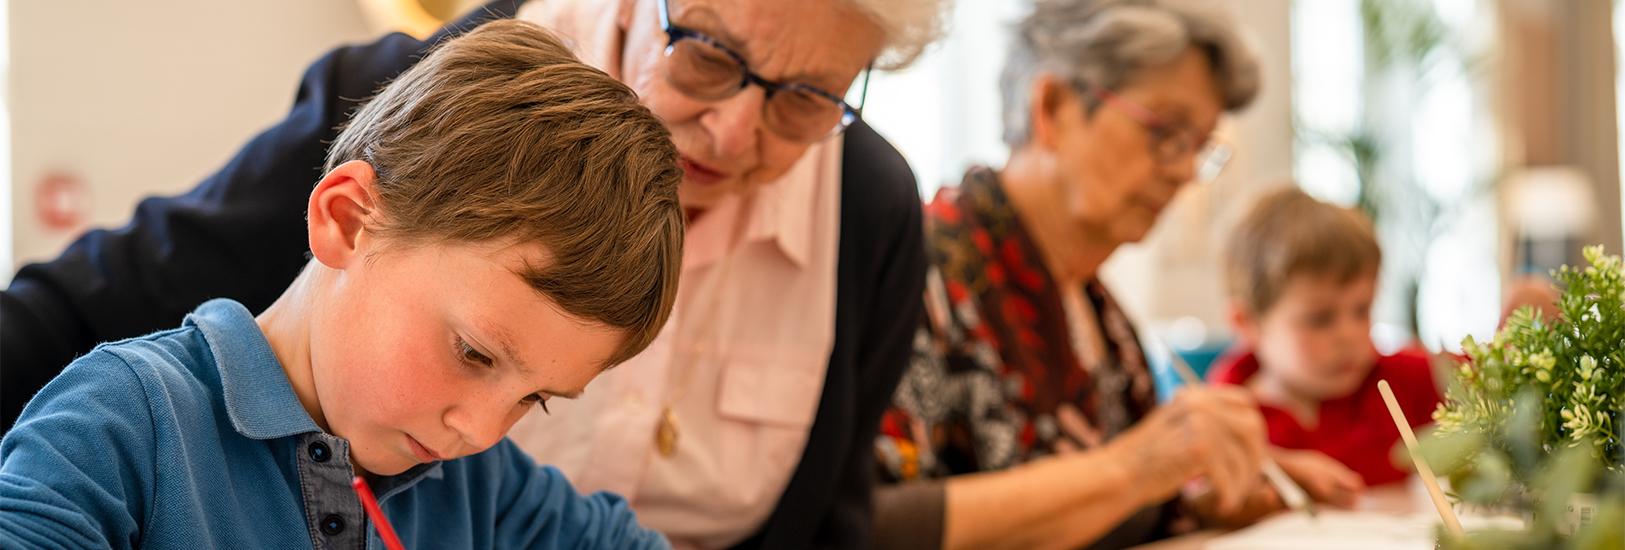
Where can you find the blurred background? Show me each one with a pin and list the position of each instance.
(1481, 135)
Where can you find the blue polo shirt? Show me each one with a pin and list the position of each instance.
(193, 438)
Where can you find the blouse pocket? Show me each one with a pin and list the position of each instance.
(768, 402)
(780, 389)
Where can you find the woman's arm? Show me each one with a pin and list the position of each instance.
(1070, 500)
(1061, 502)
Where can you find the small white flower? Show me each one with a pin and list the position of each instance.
(1542, 364)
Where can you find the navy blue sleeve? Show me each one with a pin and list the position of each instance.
(239, 234)
(894, 243)
(880, 276)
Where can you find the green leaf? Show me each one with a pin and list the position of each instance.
(1490, 480)
(1573, 470)
(1606, 531)
(1448, 452)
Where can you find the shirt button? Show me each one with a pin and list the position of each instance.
(332, 525)
(319, 452)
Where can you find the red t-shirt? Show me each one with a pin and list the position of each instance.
(1355, 429)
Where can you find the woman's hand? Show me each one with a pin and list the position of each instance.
(1324, 478)
(1214, 433)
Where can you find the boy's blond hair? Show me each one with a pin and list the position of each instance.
(503, 134)
(1289, 234)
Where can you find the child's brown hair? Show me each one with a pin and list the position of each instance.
(1288, 234)
(503, 134)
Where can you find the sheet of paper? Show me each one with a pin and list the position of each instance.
(1338, 530)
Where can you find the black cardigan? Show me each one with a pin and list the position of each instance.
(241, 234)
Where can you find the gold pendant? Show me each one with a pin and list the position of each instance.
(666, 435)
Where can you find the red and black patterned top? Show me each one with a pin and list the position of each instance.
(994, 361)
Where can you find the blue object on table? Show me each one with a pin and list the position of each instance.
(1200, 360)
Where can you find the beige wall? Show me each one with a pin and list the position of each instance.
(138, 98)
(1558, 96)
(134, 109)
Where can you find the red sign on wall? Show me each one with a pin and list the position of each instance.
(61, 201)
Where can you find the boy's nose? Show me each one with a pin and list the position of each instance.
(491, 429)
(482, 425)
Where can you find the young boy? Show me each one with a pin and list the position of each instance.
(494, 229)
(1302, 275)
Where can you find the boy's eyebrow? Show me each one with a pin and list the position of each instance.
(502, 340)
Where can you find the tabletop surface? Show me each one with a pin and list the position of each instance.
(1397, 515)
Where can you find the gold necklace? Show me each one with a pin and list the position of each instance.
(667, 435)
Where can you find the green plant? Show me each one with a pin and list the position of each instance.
(1534, 416)
(1575, 364)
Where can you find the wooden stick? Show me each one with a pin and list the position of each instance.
(1293, 495)
(1422, 469)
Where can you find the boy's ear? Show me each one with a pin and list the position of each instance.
(340, 208)
(1244, 322)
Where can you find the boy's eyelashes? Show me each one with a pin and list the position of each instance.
(472, 356)
(536, 399)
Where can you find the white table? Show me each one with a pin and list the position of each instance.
(1392, 513)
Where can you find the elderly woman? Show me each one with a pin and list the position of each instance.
(1028, 417)
(749, 422)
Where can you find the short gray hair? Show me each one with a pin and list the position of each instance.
(909, 25)
(1106, 43)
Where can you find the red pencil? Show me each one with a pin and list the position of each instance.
(379, 522)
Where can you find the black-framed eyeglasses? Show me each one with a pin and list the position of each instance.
(1169, 143)
(701, 67)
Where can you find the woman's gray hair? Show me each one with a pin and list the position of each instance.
(910, 26)
(1107, 43)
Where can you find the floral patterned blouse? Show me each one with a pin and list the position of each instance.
(995, 361)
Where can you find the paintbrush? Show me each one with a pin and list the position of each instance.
(1293, 495)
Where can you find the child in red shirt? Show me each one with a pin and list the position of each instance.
(1302, 275)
